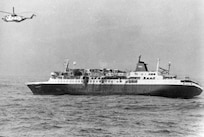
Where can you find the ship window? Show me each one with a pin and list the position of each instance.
(137, 77)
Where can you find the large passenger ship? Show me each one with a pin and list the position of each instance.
(116, 82)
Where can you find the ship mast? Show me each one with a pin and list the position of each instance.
(157, 69)
(169, 65)
(66, 64)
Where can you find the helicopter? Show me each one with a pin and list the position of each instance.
(13, 17)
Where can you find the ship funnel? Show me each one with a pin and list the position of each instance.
(141, 66)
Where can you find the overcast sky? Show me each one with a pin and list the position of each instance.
(103, 33)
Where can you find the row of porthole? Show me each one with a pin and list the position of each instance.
(149, 77)
(70, 81)
(91, 81)
(106, 81)
(145, 74)
(152, 74)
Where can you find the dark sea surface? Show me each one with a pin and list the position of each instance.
(23, 114)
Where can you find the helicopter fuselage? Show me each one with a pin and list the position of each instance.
(13, 18)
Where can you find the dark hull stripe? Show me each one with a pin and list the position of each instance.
(172, 91)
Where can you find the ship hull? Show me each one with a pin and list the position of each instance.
(171, 91)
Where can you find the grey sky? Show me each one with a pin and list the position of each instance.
(103, 33)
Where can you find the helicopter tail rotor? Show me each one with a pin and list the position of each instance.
(32, 16)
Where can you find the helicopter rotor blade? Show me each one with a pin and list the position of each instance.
(26, 12)
(5, 12)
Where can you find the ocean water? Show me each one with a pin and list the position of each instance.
(23, 114)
